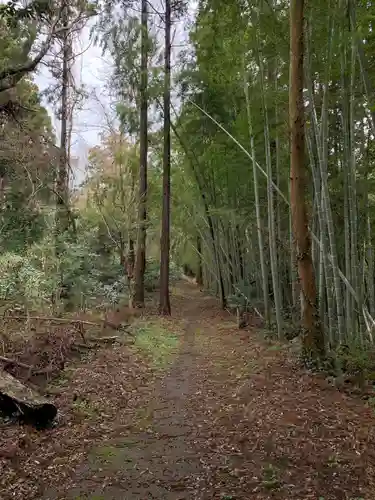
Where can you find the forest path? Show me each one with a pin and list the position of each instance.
(224, 414)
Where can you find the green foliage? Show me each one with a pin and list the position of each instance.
(13, 12)
(21, 226)
(120, 31)
(32, 279)
(152, 274)
(27, 160)
(270, 479)
(357, 360)
(243, 296)
(25, 282)
(10, 266)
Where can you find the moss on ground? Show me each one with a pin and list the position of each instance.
(110, 457)
(157, 343)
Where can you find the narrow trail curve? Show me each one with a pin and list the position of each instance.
(233, 418)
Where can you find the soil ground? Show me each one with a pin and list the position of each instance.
(195, 409)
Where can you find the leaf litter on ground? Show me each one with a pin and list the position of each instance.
(206, 413)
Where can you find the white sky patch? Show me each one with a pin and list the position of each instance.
(92, 70)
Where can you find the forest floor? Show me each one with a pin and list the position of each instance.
(195, 409)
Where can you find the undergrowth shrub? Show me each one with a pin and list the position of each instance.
(357, 359)
(244, 296)
(30, 280)
(353, 362)
(85, 277)
(24, 282)
(152, 274)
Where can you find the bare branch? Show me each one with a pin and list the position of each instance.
(9, 77)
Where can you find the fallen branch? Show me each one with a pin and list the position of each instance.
(114, 338)
(77, 346)
(59, 320)
(115, 326)
(45, 371)
(15, 362)
(74, 321)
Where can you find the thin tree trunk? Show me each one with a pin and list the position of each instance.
(239, 240)
(345, 173)
(327, 203)
(270, 203)
(164, 303)
(131, 257)
(321, 140)
(313, 338)
(257, 212)
(293, 267)
(352, 191)
(370, 260)
(62, 180)
(325, 295)
(277, 159)
(199, 276)
(140, 261)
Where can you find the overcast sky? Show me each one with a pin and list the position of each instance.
(92, 70)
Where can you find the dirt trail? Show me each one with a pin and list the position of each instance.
(231, 417)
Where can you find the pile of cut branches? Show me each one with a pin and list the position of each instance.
(36, 348)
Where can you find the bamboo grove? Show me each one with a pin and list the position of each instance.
(233, 140)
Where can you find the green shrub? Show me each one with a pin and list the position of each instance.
(152, 274)
(243, 296)
(355, 360)
(81, 277)
(10, 286)
(32, 279)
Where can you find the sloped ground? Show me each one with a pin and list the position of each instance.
(196, 410)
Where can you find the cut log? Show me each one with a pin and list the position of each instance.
(21, 402)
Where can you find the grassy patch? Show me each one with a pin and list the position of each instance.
(157, 343)
(333, 461)
(106, 453)
(61, 382)
(371, 403)
(249, 367)
(276, 347)
(84, 408)
(143, 417)
(227, 325)
(109, 456)
(270, 477)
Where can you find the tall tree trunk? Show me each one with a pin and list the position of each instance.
(326, 284)
(270, 204)
(352, 187)
(130, 257)
(257, 211)
(140, 261)
(62, 179)
(164, 304)
(326, 203)
(313, 339)
(346, 163)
